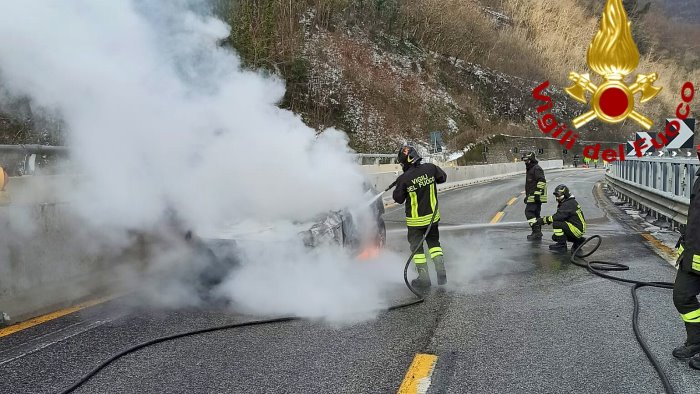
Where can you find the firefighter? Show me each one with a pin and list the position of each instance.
(535, 194)
(687, 285)
(417, 186)
(568, 222)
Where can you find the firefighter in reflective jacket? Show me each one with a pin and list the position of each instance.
(568, 222)
(417, 187)
(687, 285)
(535, 194)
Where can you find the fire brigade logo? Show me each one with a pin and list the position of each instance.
(613, 55)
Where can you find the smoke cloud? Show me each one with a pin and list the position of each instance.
(160, 116)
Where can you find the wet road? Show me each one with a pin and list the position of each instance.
(514, 318)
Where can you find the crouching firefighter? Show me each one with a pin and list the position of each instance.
(687, 285)
(417, 186)
(568, 222)
(535, 194)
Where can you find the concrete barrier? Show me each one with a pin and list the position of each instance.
(383, 175)
(41, 269)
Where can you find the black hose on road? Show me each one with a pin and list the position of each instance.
(142, 345)
(597, 267)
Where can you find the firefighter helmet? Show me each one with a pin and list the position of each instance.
(529, 158)
(408, 156)
(562, 192)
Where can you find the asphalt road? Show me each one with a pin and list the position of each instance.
(514, 318)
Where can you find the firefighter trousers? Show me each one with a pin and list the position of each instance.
(415, 235)
(564, 231)
(532, 212)
(685, 298)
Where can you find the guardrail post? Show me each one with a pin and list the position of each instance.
(647, 173)
(4, 319)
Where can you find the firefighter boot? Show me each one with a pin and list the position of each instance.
(423, 280)
(576, 244)
(686, 351)
(439, 262)
(536, 233)
(691, 347)
(695, 362)
(560, 246)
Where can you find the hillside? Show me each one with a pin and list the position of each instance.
(683, 10)
(387, 71)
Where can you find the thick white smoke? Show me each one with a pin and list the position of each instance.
(159, 115)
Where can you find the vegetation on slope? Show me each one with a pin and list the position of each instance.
(386, 71)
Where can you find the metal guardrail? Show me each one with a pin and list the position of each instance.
(21, 159)
(661, 185)
(33, 149)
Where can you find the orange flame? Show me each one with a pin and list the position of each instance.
(613, 53)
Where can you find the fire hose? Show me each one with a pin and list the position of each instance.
(597, 267)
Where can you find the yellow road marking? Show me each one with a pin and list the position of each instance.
(417, 379)
(48, 317)
(498, 217)
(512, 201)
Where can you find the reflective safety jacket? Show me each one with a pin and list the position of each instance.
(535, 184)
(690, 249)
(417, 186)
(570, 213)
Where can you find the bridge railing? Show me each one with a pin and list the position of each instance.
(657, 184)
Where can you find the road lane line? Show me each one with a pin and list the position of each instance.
(512, 201)
(498, 217)
(44, 345)
(417, 379)
(51, 316)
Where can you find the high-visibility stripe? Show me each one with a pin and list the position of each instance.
(532, 221)
(419, 258)
(558, 231)
(579, 212)
(696, 263)
(422, 221)
(544, 193)
(577, 233)
(435, 252)
(681, 249)
(549, 219)
(433, 198)
(691, 317)
(537, 193)
(414, 204)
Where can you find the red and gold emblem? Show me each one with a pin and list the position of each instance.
(613, 55)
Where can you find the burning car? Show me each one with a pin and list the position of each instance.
(360, 232)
